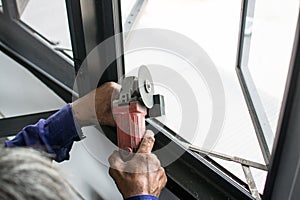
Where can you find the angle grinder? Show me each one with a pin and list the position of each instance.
(135, 103)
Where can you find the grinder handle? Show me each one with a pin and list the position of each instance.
(130, 120)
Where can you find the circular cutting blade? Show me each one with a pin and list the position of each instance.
(146, 88)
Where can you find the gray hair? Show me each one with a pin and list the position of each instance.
(25, 174)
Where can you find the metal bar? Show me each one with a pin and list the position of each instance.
(255, 120)
(63, 51)
(105, 18)
(251, 182)
(11, 126)
(133, 17)
(110, 25)
(228, 158)
(76, 32)
(240, 46)
(119, 42)
(10, 9)
(243, 52)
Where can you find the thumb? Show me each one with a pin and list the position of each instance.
(147, 142)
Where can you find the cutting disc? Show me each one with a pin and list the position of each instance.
(146, 88)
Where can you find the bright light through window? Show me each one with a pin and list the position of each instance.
(214, 25)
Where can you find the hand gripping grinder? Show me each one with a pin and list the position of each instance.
(135, 103)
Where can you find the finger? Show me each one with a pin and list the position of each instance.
(147, 142)
(115, 160)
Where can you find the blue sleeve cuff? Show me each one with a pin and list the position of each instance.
(143, 197)
(55, 134)
(61, 132)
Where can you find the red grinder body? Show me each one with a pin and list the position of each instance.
(130, 109)
(130, 120)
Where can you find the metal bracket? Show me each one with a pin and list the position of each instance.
(133, 17)
(251, 182)
(236, 159)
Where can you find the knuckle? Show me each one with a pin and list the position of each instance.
(154, 159)
(109, 84)
(112, 85)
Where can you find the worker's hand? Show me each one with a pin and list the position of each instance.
(95, 107)
(142, 174)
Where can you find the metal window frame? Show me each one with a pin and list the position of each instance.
(258, 116)
(84, 14)
(191, 176)
(21, 43)
(12, 125)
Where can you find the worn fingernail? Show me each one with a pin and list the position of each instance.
(149, 134)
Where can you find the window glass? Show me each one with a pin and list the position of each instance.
(1, 7)
(272, 36)
(49, 19)
(21, 92)
(214, 26)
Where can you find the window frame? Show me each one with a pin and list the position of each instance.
(31, 52)
(254, 104)
(209, 178)
(283, 159)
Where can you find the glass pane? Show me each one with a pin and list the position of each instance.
(49, 19)
(21, 92)
(270, 37)
(1, 7)
(214, 26)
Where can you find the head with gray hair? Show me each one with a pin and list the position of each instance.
(25, 174)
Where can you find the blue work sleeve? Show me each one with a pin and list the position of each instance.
(143, 197)
(55, 135)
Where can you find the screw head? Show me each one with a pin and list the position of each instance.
(148, 86)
